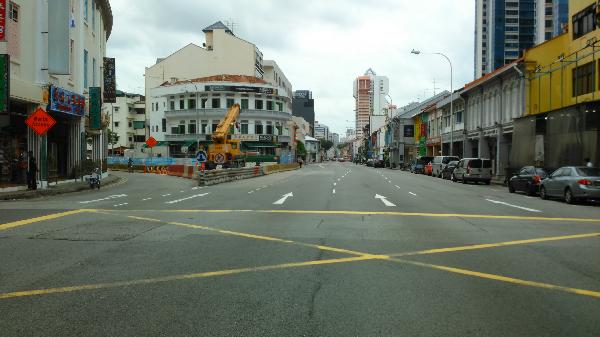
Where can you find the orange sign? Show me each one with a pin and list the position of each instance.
(151, 142)
(40, 121)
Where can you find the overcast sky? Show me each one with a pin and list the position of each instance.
(321, 45)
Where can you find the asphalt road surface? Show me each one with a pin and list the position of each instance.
(333, 249)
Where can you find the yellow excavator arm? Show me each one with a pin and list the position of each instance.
(220, 134)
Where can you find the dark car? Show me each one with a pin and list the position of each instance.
(378, 163)
(527, 180)
(369, 162)
(448, 169)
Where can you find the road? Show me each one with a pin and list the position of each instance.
(333, 249)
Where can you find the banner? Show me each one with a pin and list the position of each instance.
(58, 37)
(2, 20)
(67, 102)
(110, 82)
(4, 83)
(95, 108)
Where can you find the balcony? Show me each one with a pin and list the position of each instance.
(220, 113)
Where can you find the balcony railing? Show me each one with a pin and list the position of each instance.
(219, 113)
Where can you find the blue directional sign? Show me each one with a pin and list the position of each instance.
(201, 156)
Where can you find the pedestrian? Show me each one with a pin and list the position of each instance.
(588, 162)
(300, 161)
(32, 173)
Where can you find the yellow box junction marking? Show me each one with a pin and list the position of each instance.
(40, 219)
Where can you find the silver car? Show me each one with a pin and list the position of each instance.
(572, 183)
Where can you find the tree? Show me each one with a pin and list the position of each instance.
(300, 149)
(113, 137)
(326, 144)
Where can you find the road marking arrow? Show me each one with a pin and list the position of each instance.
(384, 200)
(283, 199)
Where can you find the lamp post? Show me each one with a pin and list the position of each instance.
(417, 52)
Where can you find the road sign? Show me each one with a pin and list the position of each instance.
(151, 142)
(40, 121)
(201, 156)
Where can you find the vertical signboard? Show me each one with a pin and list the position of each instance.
(4, 83)
(95, 108)
(58, 37)
(110, 82)
(2, 20)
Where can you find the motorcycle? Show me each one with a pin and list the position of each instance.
(94, 179)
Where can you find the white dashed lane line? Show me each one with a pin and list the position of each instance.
(514, 206)
(146, 199)
(166, 195)
(188, 198)
(123, 204)
(413, 194)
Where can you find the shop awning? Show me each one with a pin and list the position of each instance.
(259, 144)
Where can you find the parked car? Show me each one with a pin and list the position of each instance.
(448, 169)
(378, 163)
(438, 164)
(473, 169)
(421, 163)
(416, 166)
(572, 183)
(527, 180)
(428, 168)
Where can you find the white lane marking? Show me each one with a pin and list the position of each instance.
(146, 199)
(384, 200)
(181, 191)
(116, 196)
(339, 179)
(334, 184)
(321, 166)
(398, 187)
(283, 198)
(413, 194)
(334, 191)
(515, 206)
(166, 195)
(188, 198)
(123, 204)
(195, 188)
(250, 192)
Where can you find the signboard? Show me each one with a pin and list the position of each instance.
(266, 138)
(4, 83)
(2, 20)
(58, 37)
(151, 142)
(201, 156)
(302, 94)
(95, 108)
(237, 88)
(409, 131)
(40, 121)
(245, 138)
(67, 102)
(110, 82)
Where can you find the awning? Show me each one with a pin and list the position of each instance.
(259, 144)
(189, 143)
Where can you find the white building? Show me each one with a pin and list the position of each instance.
(321, 131)
(128, 122)
(76, 32)
(189, 91)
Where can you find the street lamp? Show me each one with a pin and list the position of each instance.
(417, 52)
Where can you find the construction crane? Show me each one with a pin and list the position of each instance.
(223, 150)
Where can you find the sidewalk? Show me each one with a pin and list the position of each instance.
(55, 190)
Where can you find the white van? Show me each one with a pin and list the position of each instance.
(473, 169)
(439, 163)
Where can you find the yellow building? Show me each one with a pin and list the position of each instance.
(562, 105)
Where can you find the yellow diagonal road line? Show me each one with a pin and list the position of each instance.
(495, 245)
(70, 289)
(399, 214)
(39, 219)
(500, 278)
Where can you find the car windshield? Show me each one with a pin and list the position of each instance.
(588, 171)
(299, 168)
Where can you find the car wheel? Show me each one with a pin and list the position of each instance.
(511, 188)
(543, 193)
(464, 181)
(487, 182)
(569, 199)
(529, 190)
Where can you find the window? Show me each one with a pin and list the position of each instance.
(269, 128)
(203, 103)
(139, 125)
(85, 69)
(192, 127)
(203, 127)
(129, 124)
(192, 103)
(174, 130)
(13, 12)
(172, 105)
(279, 106)
(93, 15)
(244, 103)
(258, 128)
(459, 117)
(116, 124)
(230, 102)
(270, 105)
(279, 129)
(130, 139)
(216, 103)
(258, 104)
(94, 77)
(182, 127)
(244, 127)
(215, 124)
(584, 79)
(164, 125)
(584, 22)
(181, 104)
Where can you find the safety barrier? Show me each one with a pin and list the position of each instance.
(279, 168)
(213, 177)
